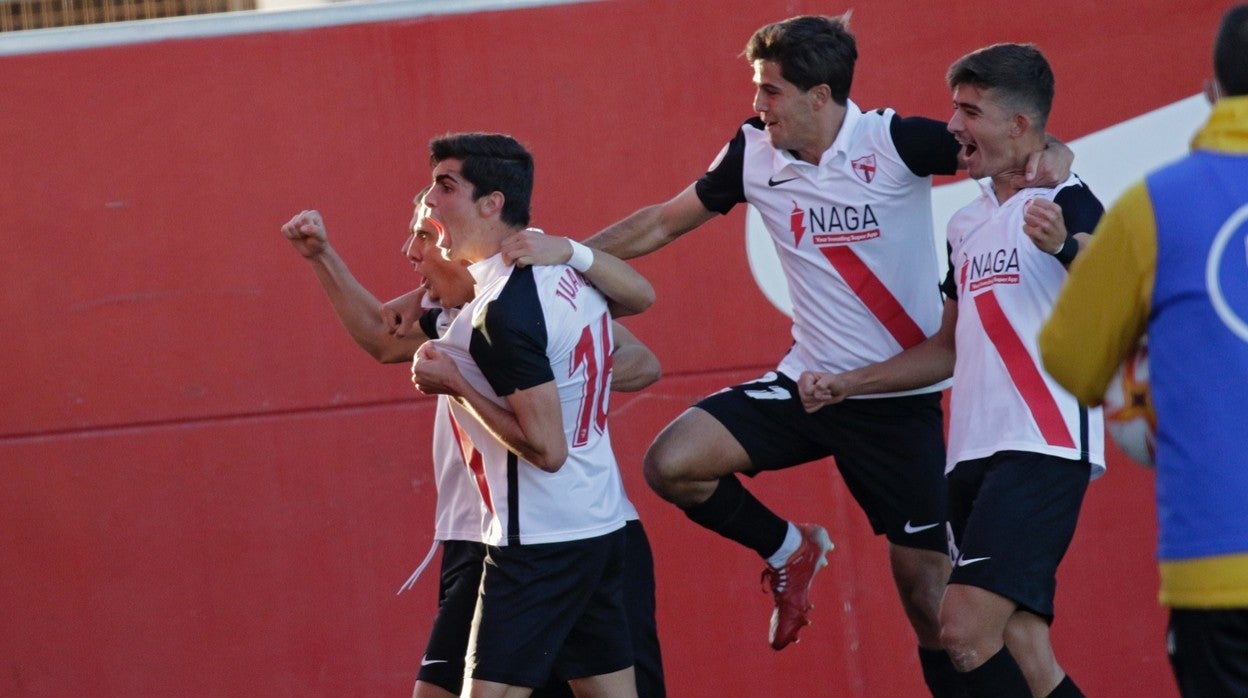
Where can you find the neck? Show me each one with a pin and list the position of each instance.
(1006, 183)
(489, 241)
(829, 129)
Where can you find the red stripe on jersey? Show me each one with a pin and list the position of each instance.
(476, 464)
(1023, 371)
(875, 295)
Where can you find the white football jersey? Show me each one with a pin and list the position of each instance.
(853, 234)
(527, 327)
(1002, 398)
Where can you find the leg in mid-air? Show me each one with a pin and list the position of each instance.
(693, 463)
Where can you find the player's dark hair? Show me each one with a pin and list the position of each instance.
(1230, 52)
(1018, 74)
(810, 50)
(491, 162)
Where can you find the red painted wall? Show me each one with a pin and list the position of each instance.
(210, 491)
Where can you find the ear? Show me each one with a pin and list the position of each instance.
(820, 95)
(1020, 124)
(491, 204)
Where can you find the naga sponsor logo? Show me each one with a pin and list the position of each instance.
(834, 225)
(989, 269)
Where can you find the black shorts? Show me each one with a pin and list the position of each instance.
(640, 605)
(1209, 651)
(551, 610)
(443, 663)
(890, 451)
(1011, 519)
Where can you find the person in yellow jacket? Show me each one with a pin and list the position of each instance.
(1170, 261)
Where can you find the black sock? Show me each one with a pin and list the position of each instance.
(734, 513)
(999, 677)
(1066, 689)
(940, 675)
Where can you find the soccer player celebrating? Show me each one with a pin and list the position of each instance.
(392, 333)
(526, 364)
(1021, 448)
(860, 295)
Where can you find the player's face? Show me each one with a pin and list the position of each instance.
(986, 130)
(451, 201)
(786, 110)
(447, 282)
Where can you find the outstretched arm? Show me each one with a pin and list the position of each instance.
(652, 227)
(928, 362)
(626, 290)
(358, 310)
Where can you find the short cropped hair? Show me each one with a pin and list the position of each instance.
(1018, 74)
(491, 162)
(810, 50)
(1230, 52)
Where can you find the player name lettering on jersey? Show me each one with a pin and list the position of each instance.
(569, 285)
(990, 268)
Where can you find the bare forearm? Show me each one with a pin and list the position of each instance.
(633, 368)
(633, 236)
(917, 367)
(547, 451)
(359, 310)
(627, 291)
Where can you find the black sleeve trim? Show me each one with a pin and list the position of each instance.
(1081, 211)
(950, 286)
(925, 145)
(509, 337)
(723, 186)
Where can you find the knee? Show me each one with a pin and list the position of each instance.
(962, 640)
(921, 577)
(662, 471)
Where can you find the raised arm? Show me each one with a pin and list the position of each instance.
(358, 309)
(652, 227)
(626, 290)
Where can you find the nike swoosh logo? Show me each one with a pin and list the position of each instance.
(963, 562)
(773, 182)
(427, 662)
(773, 392)
(910, 528)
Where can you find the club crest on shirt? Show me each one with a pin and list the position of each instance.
(864, 167)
